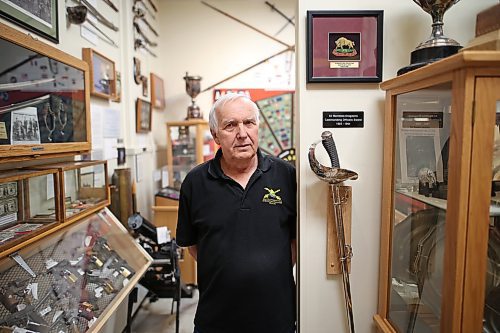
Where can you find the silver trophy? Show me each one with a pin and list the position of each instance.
(193, 89)
(437, 46)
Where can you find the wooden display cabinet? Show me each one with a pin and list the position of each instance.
(72, 280)
(440, 243)
(84, 187)
(44, 109)
(189, 143)
(165, 215)
(28, 206)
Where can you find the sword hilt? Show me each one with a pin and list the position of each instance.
(331, 149)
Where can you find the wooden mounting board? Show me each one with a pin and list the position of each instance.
(332, 252)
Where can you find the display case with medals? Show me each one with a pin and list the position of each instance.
(72, 280)
(44, 104)
(28, 205)
(189, 143)
(84, 187)
(440, 237)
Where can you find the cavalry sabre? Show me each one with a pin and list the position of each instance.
(334, 176)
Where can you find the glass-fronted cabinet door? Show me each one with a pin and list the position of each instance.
(440, 244)
(44, 99)
(189, 143)
(482, 273)
(422, 130)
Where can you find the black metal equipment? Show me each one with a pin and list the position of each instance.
(163, 277)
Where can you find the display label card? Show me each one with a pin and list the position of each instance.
(416, 119)
(333, 119)
(344, 64)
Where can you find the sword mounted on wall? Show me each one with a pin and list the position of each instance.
(341, 201)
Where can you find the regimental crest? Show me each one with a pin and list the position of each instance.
(271, 197)
(344, 46)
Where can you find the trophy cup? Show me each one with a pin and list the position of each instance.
(193, 89)
(437, 46)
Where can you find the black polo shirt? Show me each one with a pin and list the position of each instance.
(243, 238)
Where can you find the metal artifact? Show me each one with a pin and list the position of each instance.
(437, 46)
(140, 44)
(193, 88)
(78, 15)
(141, 14)
(334, 176)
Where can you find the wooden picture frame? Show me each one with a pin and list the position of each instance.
(102, 74)
(118, 94)
(157, 92)
(143, 116)
(38, 17)
(344, 46)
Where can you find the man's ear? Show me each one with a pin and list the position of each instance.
(214, 135)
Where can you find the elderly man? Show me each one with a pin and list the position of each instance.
(237, 215)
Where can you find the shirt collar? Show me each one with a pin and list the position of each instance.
(215, 170)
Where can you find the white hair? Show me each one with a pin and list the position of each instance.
(219, 104)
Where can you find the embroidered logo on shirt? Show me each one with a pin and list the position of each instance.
(271, 198)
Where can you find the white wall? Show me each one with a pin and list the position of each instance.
(204, 42)
(360, 149)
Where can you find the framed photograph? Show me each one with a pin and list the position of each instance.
(157, 92)
(102, 74)
(142, 116)
(87, 179)
(344, 46)
(145, 86)
(39, 17)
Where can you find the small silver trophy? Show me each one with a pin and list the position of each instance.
(437, 46)
(193, 89)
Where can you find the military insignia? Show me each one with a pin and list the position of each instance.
(344, 48)
(271, 197)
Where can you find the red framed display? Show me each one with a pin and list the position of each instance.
(344, 46)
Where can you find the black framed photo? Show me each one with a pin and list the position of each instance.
(39, 16)
(344, 46)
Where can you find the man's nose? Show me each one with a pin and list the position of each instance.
(242, 132)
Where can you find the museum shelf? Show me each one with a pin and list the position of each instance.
(440, 236)
(189, 143)
(84, 187)
(28, 205)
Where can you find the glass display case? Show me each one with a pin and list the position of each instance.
(44, 104)
(189, 143)
(28, 201)
(440, 237)
(72, 280)
(84, 187)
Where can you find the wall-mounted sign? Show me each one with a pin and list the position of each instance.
(343, 119)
